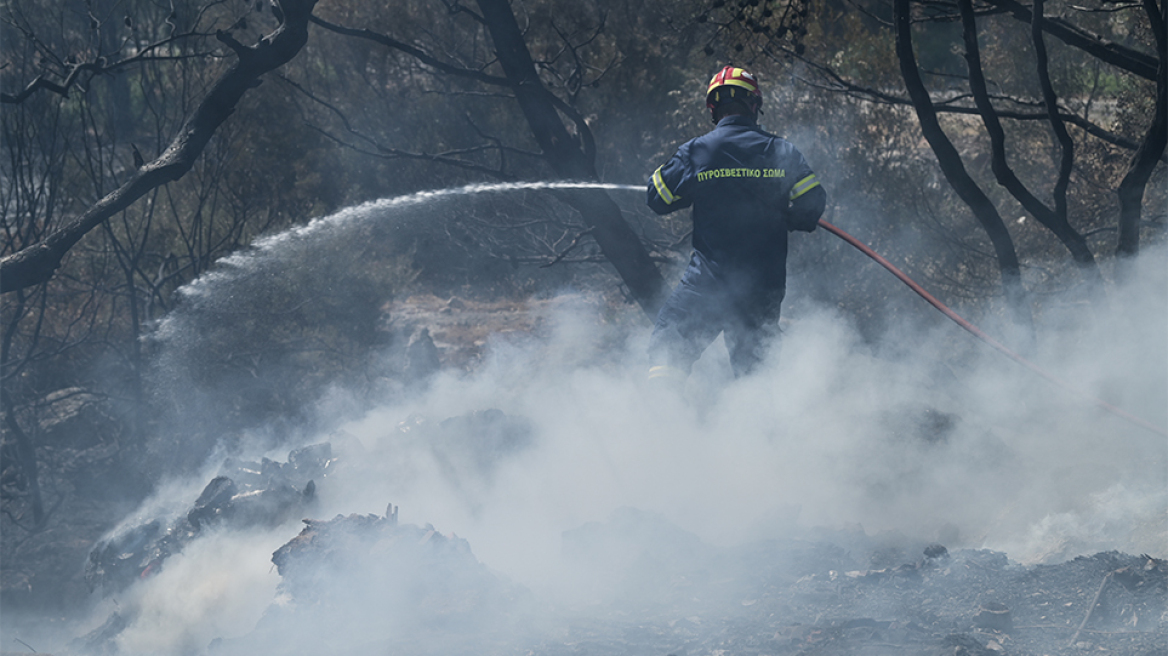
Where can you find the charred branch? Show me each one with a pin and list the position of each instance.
(28, 464)
(100, 65)
(1118, 55)
(1130, 60)
(951, 165)
(838, 84)
(1131, 188)
(588, 141)
(1054, 220)
(1098, 593)
(37, 263)
(374, 149)
(568, 249)
(415, 52)
(578, 77)
(459, 8)
(571, 157)
(448, 158)
(616, 239)
(1066, 144)
(41, 82)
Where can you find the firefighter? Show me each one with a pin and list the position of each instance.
(748, 189)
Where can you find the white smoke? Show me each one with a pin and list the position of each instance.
(917, 446)
(219, 586)
(953, 443)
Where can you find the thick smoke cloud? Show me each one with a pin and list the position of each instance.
(949, 442)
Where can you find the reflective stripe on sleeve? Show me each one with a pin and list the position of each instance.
(803, 186)
(662, 190)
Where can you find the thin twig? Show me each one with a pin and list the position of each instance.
(1091, 609)
(567, 250)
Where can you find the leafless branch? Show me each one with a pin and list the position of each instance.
(37, 263)
(1066, 144)
(459, 8)
(564, 253)
(385, 152)
(1131, 60)
(1105, 10)
(837, 83)
(417, 53)
(100, 64)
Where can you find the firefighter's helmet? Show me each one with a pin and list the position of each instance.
(733, 83)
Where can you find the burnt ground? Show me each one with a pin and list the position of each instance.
(89, 481)
(363, 584)
(659, 591)
(665, 592)
(969, 602)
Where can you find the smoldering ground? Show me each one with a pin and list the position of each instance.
(617, 491)
(607, 496)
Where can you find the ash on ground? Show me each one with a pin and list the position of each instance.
(243, 495)
(371, 585)
(364, 584)
(814, 596)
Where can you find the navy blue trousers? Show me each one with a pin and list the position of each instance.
(707, 301)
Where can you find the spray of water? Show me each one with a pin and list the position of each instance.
(386, 206)
(825, 440)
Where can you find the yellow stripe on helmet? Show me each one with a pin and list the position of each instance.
(740, 83)
(729, 76)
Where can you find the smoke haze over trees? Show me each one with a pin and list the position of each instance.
(1010, 156)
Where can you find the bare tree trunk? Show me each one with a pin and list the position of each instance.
(951, 165)
(1131, 189)
(619, 244)
(28, 466)
(1054, 220)
(37, 263)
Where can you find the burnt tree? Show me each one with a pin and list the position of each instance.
(570, 157)
(953, 168)
(36, 263)
(1129, 67)
(569, 160)
(1054, 219)
(1151, 150)
(1148, 153)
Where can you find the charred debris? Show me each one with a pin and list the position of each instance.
(243, 494)
(655, 588)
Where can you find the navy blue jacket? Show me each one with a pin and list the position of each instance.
(748, 188)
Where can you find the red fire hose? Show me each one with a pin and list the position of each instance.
(984, 337)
